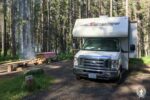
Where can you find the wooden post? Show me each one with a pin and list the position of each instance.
(10, 68)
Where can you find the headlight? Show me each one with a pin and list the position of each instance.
(114, 64)
(75, 61)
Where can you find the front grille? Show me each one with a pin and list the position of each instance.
(95, 63)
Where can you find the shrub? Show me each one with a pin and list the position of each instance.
(65, 56)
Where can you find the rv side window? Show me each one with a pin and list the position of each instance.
(132, 48)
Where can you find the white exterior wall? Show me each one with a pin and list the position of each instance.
(133, 35)
(101, 27)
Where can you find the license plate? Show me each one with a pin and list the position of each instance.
(92, 75)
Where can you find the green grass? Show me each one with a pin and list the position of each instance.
(11, 88)
(8, 59)
(140, 61)
(65, 56)
(146, 60)
(137, 65)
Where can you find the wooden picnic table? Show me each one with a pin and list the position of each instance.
(40, 58)
(13, 65)
(16, 62)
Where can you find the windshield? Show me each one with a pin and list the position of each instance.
(101, 44)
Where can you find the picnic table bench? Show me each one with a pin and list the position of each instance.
(44, 57)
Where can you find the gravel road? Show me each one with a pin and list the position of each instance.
(66, 87)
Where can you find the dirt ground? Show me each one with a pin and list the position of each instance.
(66, 87)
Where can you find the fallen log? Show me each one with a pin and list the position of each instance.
(15, 66)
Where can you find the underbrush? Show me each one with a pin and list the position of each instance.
(139, 65)
(12, 88)
(8, 58)
(65, 56)
(140, 61)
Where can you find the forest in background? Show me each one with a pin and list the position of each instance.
(28, 26)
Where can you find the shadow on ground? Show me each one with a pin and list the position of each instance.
(66, 87)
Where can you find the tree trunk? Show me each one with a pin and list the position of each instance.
(13, 16)
(111, 8)
(127, 7)
(4, 42)
(45, 25)
(100, 7)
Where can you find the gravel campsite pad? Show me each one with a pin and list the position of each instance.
(66, 87)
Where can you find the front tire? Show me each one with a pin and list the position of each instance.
(120, 75)
(118, 78)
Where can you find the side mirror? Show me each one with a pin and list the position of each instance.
(74, 46)
(75, 50)
(132, 48)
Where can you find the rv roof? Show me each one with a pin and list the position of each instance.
(101, 27)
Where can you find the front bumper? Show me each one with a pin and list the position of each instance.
(100, 74)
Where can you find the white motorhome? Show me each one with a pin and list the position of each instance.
(108, 43)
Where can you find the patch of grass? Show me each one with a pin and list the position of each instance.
(65, 56)
(135, 61)
(146, 60)
(11, 88)
(8, 58)
(140, 61)
(137, 65)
